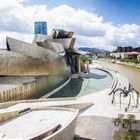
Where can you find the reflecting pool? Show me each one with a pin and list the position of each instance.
(98, 81)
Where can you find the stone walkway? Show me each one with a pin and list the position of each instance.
(94, 127)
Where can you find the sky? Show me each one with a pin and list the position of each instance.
(119, 11)
(103, 24)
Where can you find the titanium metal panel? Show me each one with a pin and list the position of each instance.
(29, 49)
(16, 64)
(41, 38)
(55, 47)
(58, 33)
(68, 43)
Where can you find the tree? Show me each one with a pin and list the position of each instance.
(131, 135)
(130, 120)
(119, 120)
(85, 59)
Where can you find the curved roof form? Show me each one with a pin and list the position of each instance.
(39, 123)
(53, 46)
(29, 49)
(68, 43)
(16, 64)
(59, 33)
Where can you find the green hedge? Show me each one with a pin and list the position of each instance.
(130, 59)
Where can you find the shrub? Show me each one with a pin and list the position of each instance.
(131, 135)
(130, 59)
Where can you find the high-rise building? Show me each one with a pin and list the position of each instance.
(40, 27)
(129, 49)
(119, 49)
(136, 49)
(125, 49)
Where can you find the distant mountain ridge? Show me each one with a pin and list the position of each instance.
(92, 49)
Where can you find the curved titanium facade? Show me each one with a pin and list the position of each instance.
(48, 69)
(55, 47)
(68, 43)
(28, 49)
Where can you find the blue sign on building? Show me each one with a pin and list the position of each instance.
(40, 27)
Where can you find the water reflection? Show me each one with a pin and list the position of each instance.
(99, 80)
(97, 76)
(72, 89)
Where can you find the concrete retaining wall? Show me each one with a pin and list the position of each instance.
(8, 115)
(35, 89)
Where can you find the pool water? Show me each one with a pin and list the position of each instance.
(98, 81)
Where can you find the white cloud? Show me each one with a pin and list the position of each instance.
(22, 36)
(17, 20)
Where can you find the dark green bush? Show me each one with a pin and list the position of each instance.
(130, 59)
